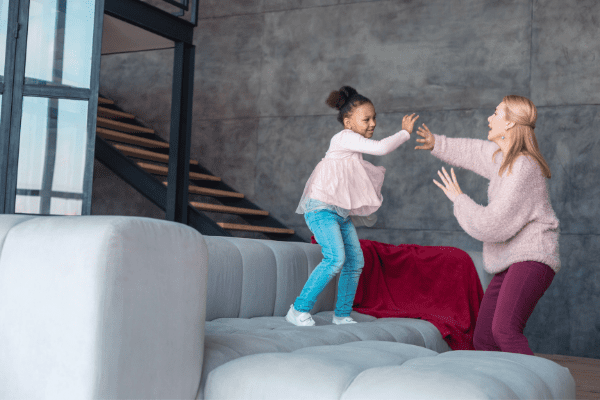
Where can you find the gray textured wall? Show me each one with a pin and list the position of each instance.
(265, 67)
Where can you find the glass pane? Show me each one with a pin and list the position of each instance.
(59, 42)
(60, 206)
(52, 151)
(27, 205)
(3, 27)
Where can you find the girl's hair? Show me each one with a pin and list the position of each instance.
(345, 100)
(523, 113)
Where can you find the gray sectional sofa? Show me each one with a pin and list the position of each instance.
(125, 307)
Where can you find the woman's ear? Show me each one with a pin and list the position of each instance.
(509, 125)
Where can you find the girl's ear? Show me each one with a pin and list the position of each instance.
(510, 125)
(347, 123)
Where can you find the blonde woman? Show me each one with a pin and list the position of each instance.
(518, 227)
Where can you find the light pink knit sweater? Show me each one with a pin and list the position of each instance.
(518, 224)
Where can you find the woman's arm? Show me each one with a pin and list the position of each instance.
(506, 214)
(471, 154)
(354, 142)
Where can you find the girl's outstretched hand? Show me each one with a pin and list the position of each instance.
(408, 122)
(451, 187)
(429, 139)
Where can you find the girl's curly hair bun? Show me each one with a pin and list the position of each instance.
(335, 100)
(338, 98)
(348, 91)
(345, 100)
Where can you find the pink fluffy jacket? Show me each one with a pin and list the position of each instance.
(518, 224)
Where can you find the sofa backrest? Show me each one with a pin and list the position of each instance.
(101, 307)
(254, 278)
(9, 221)
(484, 276)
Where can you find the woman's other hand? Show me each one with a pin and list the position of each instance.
(429, 139)
(408, 122)
(450, 187)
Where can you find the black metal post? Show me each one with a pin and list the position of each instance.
(180, 136)
(7, 93)
(88, 178)
(16, 107)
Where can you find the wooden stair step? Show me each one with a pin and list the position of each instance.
(252, 228)
(160, 170)
(227, 209)
(131, 139)
(110, 113)
(102, 100)
(122, 126)
(145, 154)
(212, 192)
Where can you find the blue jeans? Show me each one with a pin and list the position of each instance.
(341, 252)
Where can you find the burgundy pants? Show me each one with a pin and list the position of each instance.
(507, 304)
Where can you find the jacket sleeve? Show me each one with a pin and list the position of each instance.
(472, 154)
(504, 216)
(354, 142)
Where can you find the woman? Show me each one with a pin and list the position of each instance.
(518, 227)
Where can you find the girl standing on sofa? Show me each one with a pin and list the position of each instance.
(343, 185)
(518, 227)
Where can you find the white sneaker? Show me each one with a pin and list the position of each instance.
(299, 318)
(343, 320)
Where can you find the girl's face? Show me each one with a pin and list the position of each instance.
(498, 124)
(362, 120)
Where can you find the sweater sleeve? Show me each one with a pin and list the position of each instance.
(506, 214)
(472, 154)
(354, 142)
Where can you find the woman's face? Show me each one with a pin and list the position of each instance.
(362, 120)
(498, 124)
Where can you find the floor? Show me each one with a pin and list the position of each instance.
(586, 372)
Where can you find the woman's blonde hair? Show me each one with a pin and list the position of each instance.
(523, 113)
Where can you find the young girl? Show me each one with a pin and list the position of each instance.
(343, 185)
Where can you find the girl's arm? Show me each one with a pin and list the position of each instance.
(504, 216)
(472, 154)
(355, 142)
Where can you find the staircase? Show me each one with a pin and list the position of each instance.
(138, 155)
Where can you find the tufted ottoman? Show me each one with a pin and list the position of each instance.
(388, 370)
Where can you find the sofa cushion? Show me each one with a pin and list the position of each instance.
(227, 339)
(387, 370)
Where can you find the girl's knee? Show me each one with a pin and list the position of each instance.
(359, 264)
(337, 262)
(357, 259)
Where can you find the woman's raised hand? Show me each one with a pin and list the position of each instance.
(429, 139)
(450, 187)
(408, 122)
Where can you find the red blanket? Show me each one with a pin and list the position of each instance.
(436, 284)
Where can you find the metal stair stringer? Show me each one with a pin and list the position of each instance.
(150, 187)
(267, 221)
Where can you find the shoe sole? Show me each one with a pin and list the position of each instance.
(292, 322)
(344, 323)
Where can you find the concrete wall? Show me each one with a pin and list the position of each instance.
(265, 67)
